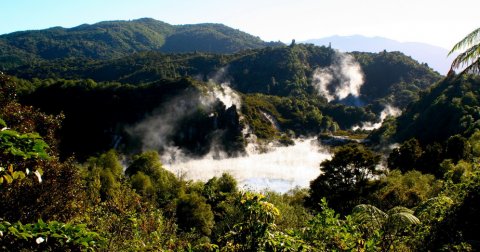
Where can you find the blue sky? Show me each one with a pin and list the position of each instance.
(437, 22)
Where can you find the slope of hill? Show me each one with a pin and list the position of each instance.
(100, 117)
(450, 107)
(393, 77)
(434, 56)
(113, 39)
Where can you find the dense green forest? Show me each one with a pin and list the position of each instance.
(83, 125)
(284, 70)
(114, 39)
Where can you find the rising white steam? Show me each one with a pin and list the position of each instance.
(339, 80)
(387, 111)
(221, 90)
(226, 95)
(280, 170)
(155, 130)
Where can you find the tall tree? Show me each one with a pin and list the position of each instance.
(344, 178)
(471, 56)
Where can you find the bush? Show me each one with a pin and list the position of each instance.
(50, 236)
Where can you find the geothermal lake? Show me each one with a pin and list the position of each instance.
(281, 169)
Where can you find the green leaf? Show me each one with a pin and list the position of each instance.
(8, 178)
(2, 123)
(18, 175)
(41, 223)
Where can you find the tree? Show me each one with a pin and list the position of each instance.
(471, 56)
(432, 156)
(249, 233)
(193, 212)
(328, 232)
(458, 148)
(217, 189)
(408, 189)
(103, 176)
(23, 154)
(29, 143)
(256, 230)
(457, 229)
(405, 158)
(345, 177)
(165, 185)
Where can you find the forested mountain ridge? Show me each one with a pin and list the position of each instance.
(113, 39)
(390, 77)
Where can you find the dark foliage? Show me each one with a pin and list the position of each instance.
(460, 225)
(344, 178)
(28, 200)
(394, 77)
(100, 114)
(449, 108)
(405, 158)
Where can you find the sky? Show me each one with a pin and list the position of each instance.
(436, 22)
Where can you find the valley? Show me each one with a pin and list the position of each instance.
(140, 135)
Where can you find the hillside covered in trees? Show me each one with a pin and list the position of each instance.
(84, 127)
(275, 82)
(114, 39)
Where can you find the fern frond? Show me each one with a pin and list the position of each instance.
(369, 215)
(403, 219)
(399, 209)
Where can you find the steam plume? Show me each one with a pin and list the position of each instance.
(154, 131)
(226, 95)
(280, 170)
(339, 80)
(387, 111)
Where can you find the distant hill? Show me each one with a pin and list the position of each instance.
(113, 39)
(434, 56)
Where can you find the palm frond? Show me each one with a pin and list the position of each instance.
(467, 57)
(470, 58)
(470, 39)
(473, 68)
